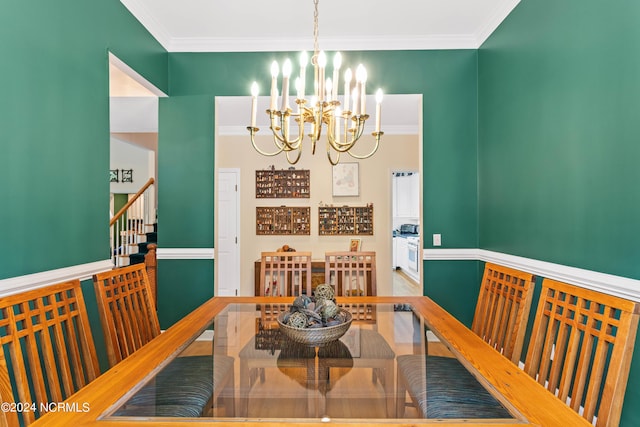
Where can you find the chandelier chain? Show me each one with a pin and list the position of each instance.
(315, 27)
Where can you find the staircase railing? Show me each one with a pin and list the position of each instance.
(130, 225)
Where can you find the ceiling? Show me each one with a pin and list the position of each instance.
(287, 25)
(252, 25)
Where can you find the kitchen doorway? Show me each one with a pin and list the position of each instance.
(406, 242)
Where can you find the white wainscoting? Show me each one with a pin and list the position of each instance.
(607, 283)
(185, 253)
(602, 282)
(37, 280)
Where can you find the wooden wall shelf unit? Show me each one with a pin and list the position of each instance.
(283, 184)
(345, 220)
(288, 220)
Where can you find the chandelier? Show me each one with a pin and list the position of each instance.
(344, 126)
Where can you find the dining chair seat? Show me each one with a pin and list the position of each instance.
(184, 388)
(443, 388)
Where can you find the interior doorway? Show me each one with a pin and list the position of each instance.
(406, 242)
(133, 162)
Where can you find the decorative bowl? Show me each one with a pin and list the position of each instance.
(316, 337)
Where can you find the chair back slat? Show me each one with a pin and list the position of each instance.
(503, 308)
(285, 273)
(47, 346)
(581, 348)
(127, 311)
(351, 273)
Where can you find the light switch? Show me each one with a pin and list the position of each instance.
(437, 240)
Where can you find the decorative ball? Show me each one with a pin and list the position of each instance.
(329, 309)
(298, 320)
(324, 291)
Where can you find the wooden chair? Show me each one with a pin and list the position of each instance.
(285, 273)
(581, 348)
(127, 312)
(188, 385)
(46, 337)
(500, 319)
(354, 274)
(351, 273)
(502, 310)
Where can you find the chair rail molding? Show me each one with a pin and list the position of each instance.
(624, 287)
(185, 253)
(27, 282)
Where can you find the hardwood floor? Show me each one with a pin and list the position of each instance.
(403, 285)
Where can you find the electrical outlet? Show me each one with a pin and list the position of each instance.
(437, 240)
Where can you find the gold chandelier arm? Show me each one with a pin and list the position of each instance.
(337, 160)
(280, 134)
(377, 136)
(294, 161)
(252, 131)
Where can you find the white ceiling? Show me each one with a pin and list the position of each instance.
(287, 25)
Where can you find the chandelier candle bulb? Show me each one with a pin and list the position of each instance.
(303, 71)
(361, 79)
(338, 115)
(286, 73)
(274, 86)
(322, 63)
(378, 109)
(347, 87)
(337, 63)
(356, 101)
(329, 89)
(254, 103)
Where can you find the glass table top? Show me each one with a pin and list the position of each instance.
(388, 365)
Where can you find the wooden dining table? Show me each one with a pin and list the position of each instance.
(273, 386)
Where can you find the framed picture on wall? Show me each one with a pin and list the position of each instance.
(113, 175)
(354, 245)
(127, 175)
(345, 179)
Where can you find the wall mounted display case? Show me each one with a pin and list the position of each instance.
(345, 220)
(283, 184)
(285, 220)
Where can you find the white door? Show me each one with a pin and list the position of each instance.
(227, 246)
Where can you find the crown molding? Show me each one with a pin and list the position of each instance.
(498, 17)
(142, 14)
(213, 44)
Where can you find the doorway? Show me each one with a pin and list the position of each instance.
(228, 232)
(406, 253)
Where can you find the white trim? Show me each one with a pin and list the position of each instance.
(498, 17)
(623, 287)
(450, 254)
(271, 44)
(117, 62)
(185, 253)
(38, 280)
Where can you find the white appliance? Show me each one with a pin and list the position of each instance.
(413, 263)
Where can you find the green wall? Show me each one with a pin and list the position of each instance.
(54, 144)
(559, 99)
(448, 82)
